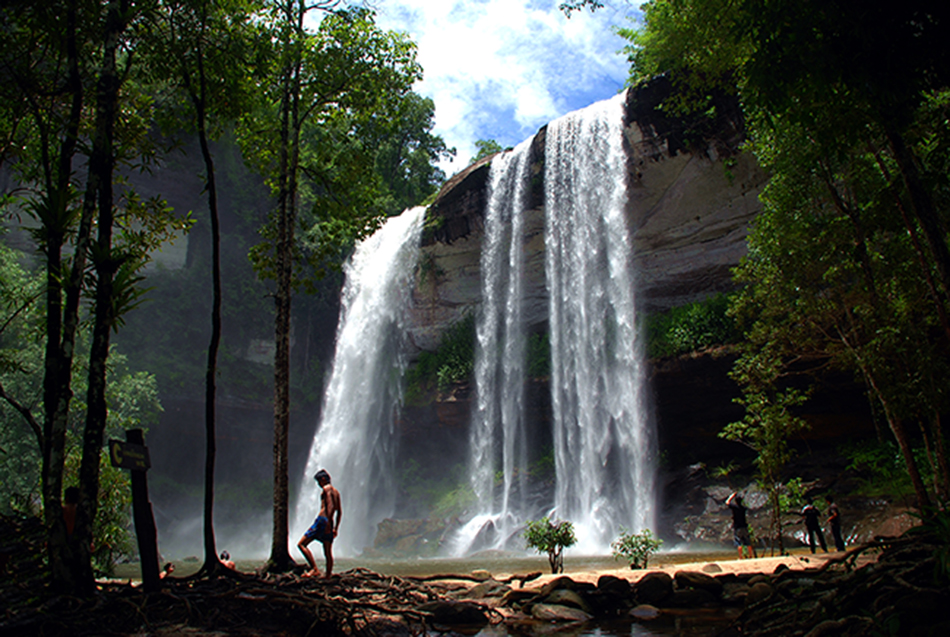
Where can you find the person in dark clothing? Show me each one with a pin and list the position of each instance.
(834, 520)
(811, 514)
(740, 527)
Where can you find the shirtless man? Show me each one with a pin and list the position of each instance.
(325, 527)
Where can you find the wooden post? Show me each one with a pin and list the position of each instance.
(144, 521)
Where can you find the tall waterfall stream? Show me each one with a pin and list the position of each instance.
(355, 440)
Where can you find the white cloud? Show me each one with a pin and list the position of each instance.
(501, 69)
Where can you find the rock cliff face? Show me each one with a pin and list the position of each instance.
(691, 196)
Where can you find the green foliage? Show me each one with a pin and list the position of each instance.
(724, 471)
(539, 355)
(550, 537)
(791, 495)
(113, 536)
(133, 403)
(692, 327)
(484, 148)
(635, 548)
(767, 425)
(443, 494)
(881, 469)
(452, 362)
(843, 104)
(569, 6)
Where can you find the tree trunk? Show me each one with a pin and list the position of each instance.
(280, 559)
(922, 204)
(61, 323)
(212, 564)
(101, 166)
(897, 428)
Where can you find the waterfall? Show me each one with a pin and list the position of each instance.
(498, 439)
(355, 440)
(602, 438)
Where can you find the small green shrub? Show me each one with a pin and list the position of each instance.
(452, 362)
(635, 548)
(691, 327)
(552, 538)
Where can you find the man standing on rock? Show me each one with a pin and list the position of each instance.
(325, 527)
(834, 520)
(811, 514)
(740, 528)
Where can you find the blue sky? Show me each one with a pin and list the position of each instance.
(501, 69)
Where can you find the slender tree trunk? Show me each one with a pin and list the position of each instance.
(212, 563)
(922, 204)
(61, 325)
(101, 166)
(897, 428)
(280, 559)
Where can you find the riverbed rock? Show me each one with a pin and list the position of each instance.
(489, 588)
(565, 597)
(653, 587)
(645, 612)
(453, 613)
(613, 585)
(758, 592)
(735, 592)
(514, 598)
(699, 581)
(557, 613)
(556, 583)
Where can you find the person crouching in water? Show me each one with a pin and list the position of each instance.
(325, 527)
(740, 528)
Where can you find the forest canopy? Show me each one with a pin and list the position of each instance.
(847, 106)
(97, 95)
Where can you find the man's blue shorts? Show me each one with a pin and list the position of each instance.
(320, 530)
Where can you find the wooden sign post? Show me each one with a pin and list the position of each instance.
(133, 455)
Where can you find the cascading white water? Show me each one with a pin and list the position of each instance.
(498, 439)
(602, 435)
(355, 439)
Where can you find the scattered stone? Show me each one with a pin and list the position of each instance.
(760, 591)
(653, 587)
(645, 612)
(700, 581)
(735, 592)
(489, 588)
(613, 585)
(556, 613)
(712, 568)
(566, 597)
(524, 578)
(556, 583)
(481, 575)
(514, 598)
(451, 613)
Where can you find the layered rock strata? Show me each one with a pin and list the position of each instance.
(691, 195)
